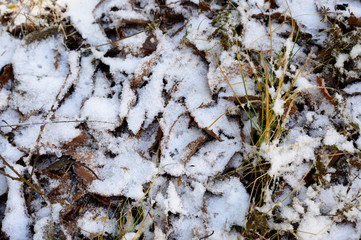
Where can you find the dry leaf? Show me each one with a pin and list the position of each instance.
(192, 148)
(7, 73)
(203, 7)
(354, 21)
(82, 155)
(79, 141)
(324, 91)
(273, 4)
(85, 174)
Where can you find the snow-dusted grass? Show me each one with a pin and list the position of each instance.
(274, 152)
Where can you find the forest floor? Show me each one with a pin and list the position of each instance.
(147, 119)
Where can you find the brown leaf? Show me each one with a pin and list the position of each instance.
(136, 21)
(82, 155)
(150, 45)
(148, 139)
(169, 18)
(79, 141)
(203, 6)
(273, 4)
(201, 53)
(280, 17)
(192, 148)
(336, 157)
(108, 200)
(354, 21)
(324, 91)
(85, 174)
(7, 73)
(61, 192)
(243, 99)
(309, 100)
(6, 17)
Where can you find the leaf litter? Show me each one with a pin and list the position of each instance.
(141, 119)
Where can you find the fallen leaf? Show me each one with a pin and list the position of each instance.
(203, 7)
(85, 174)
(80, 141)
(192, 148)
(272, 3)
(82, 155)
(324, 91)
(7, 73)
(354, 21)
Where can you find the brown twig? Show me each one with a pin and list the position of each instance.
(21, 178)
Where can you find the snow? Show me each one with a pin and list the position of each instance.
(341, 59)
(96, 222)
(121, 177)
(127, 65)
(314, 227)
(102, 110)
(356, 51)
(291, 155)
(332, 137)
(220, 208)
(305, 13)
(7, 48)
(46, 218)
(255, 39)
(38, 91)
(16, 220)
(278, 106)
(3, 185)
(81, 15)
(173, 202)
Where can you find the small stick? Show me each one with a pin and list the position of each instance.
(21, 178)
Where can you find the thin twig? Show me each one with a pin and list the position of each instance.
(21, 178)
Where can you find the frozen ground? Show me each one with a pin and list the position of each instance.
(122, 139)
